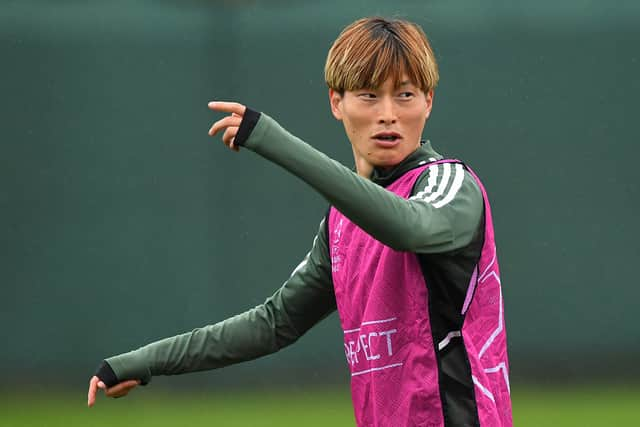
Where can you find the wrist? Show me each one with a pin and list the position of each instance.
(249, 121)
(106, 374)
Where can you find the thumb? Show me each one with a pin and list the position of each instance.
(102, 385)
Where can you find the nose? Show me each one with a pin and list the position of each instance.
(387, 112)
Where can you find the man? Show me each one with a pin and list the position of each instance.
(406, 253)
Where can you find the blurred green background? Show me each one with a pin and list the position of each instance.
(122, 222)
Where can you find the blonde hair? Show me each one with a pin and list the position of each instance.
(370, 50)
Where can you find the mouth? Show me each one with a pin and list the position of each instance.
(387, 139)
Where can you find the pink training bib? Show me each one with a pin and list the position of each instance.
(383, 304)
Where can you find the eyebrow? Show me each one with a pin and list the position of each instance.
(404, 83)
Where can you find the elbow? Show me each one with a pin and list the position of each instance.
(283, 333)
(400, 245)
(405, 241)
(414, 240)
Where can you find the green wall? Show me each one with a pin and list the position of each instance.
(121, 222)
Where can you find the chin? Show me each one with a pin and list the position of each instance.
(387, 161)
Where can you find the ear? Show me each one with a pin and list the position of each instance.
(335, 100)
(429, 101)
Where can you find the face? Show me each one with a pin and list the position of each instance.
(384, 124)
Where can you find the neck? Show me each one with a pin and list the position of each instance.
(364, 170)
(363, 167)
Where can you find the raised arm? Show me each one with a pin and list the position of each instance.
(427, 223)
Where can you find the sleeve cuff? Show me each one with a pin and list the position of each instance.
(130, 366)
(106, 374)
(249, 121)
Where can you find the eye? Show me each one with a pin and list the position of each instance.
(406, 95)
(367, 95)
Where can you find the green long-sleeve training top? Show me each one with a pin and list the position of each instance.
(443, 215)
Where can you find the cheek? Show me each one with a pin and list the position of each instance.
(418, 114)
(352, 126)
(417, 119)
(348, 127)
(356, 123)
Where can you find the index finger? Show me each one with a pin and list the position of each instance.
(228, 107)
(93, 388)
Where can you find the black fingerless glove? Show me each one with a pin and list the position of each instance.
(247, 124)
(106, 374)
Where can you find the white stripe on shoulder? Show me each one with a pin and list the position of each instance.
(444, 182)
(455, 187)
(432, 179)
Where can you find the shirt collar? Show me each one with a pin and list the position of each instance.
(422, 155)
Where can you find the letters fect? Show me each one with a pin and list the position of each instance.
(371, 344)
